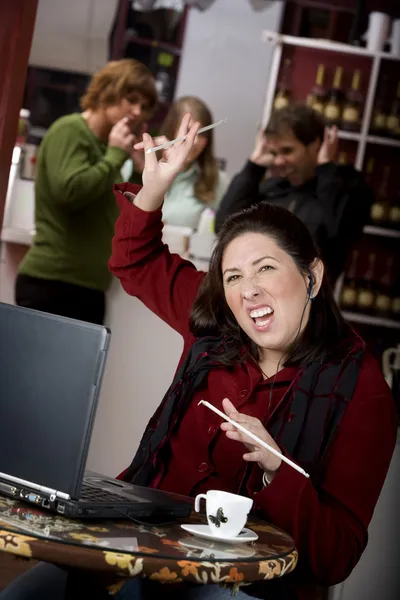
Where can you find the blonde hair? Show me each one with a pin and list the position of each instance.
(206, 184)
(120, 79)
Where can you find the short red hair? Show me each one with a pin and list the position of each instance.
(120, 79)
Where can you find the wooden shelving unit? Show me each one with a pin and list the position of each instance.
(370, 320)
(321, 50)
(362, 139)
(381, 231)
(133, 36)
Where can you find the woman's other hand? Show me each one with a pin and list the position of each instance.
(267, 461)
(159, 175)
(121, 136)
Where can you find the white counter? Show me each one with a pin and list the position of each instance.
(144, 353)
(377, 575)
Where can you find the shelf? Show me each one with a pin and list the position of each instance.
(131, 38)
(349, 135)
(370, 320)
(383, 141)
(381, 231)
(388, 56)
(39, 132)
(317, 44)
(323, 44)
(12, 235)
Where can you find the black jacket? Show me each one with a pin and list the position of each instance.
(334, 205)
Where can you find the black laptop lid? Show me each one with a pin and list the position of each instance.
(50, 374)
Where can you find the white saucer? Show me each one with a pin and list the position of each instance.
(206, 549)
(204, 531)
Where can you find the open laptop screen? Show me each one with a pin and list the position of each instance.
(50, 374)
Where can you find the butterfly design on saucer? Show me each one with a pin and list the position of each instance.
(219, 518)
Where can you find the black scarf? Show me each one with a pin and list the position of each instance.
(305, 424)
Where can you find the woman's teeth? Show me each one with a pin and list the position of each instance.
(258, 314)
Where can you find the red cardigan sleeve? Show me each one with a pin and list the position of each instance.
(330, 525)
(166, 283)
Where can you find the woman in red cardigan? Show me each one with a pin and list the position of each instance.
(263, 341)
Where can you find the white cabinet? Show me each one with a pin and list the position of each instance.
(19, 211)
(377, 575)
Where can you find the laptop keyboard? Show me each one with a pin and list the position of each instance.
(92, 493)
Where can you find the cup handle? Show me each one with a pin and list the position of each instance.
(197, 501)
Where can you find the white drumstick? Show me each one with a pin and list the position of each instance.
(182, 138)
(255, 438)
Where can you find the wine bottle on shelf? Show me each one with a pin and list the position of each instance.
(351, 115)
(333, 106)
(394, 212)
(348, 296)
(369, 170)
(395, 308)
(342, 158)
(380, 208)
(317, 97)
(283, 94)
(380, 112)
(366, 292)
(393, 118)
(383, 300)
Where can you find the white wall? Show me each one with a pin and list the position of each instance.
(226, 64)
(72, 35)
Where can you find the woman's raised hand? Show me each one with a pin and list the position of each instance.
(158, 175)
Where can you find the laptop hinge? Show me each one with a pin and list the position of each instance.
(39, 488)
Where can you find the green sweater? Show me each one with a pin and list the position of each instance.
(75, 208)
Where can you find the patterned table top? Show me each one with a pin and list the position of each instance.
(127, 549)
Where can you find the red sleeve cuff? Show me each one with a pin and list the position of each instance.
(130, 211)
(277, 498)
(121, 188)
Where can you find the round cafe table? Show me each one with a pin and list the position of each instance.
(122, 549)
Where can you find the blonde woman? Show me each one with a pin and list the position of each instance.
(201, 184)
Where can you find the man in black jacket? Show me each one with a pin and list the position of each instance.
(293, 165)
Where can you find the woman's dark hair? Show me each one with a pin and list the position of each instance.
(326, 329)
(304, 122)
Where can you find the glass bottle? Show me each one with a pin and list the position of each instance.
(366, 293)
(317, 97)
(348, 297)
(333, 106)
(283, 94)
(351, 115)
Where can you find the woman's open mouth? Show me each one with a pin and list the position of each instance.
(262, 317)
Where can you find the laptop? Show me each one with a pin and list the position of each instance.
(51, 369)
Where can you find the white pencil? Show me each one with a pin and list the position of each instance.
(255, 438)
(182, 138)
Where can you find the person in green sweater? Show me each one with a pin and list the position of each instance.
(65, 272)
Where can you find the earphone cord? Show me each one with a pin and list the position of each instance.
(294, 341)
(280, 360)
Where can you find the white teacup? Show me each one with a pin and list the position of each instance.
(226, 513)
